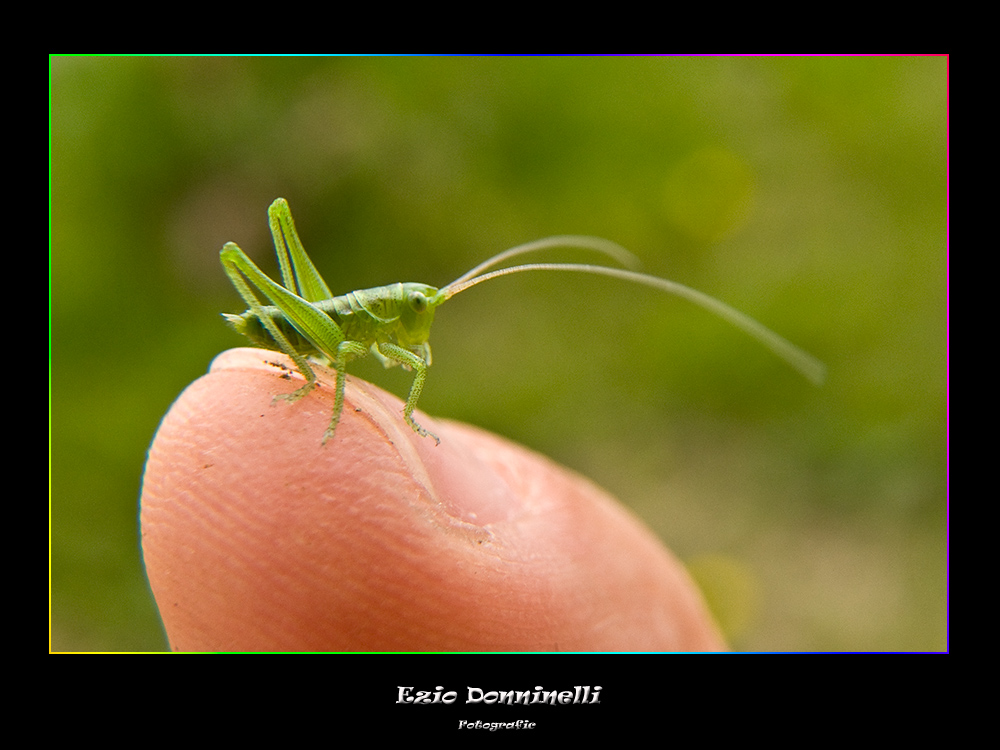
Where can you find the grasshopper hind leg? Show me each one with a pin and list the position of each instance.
(311, 382)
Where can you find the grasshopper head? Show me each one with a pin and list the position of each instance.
(417, 314)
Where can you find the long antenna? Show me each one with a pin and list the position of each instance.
(609, 248)
(805, 363)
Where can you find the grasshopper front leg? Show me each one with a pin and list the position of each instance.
(419, 367)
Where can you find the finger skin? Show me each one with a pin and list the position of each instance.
(258, 537)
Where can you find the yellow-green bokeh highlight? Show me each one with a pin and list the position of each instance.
(708, 194)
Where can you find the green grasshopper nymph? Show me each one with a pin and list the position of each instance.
(393, 322)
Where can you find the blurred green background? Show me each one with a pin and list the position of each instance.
(808, 192)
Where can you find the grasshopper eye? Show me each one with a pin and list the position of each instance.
(418, 301)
